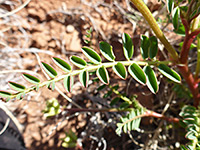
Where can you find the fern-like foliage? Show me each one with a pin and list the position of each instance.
(191, 122)
(131, 121)
(145, 75)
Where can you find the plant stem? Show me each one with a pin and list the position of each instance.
(140, 5)
(198, 58)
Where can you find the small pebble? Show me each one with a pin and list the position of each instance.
(70, 28)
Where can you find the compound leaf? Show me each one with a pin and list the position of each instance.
(77, 61)
(152, 82)
(62, 64)
(153, 47)
(120, 70)
(5, 94)
(107, 51)
(102, 74)
(84, 78)
(137, 73)
(68, 83)
(169, 73)
(127, 46)
(145, 44)
(49, 70)
(30, 78)
(91, 55)
(16, 86)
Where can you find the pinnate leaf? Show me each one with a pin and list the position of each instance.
(49, 70)
(77, 61)
(16, 86)
(137, 73)
(169, 73)
(120, 70)
(107, 51)
(68, 83)
(127, 46)
(91, 55)
(62, 64)
(84, 78)
(153, 47)
(5, 94)
(102, 74)
(145, 44)
(152, 82)
(30, 78)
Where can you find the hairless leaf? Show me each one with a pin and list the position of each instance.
(68, 83)
(106, 51)
(169, 73)
(30, 78)
(145, 43)
(175, 18)
(91, 55)
(84, 78)
(120, 70)
(5, 94)
(137, 73)
(102, 74)
(153, 47)
(77, 61)
(62, 64)
(127, 46)
(16, 86)
(49, 70)
(152, 82)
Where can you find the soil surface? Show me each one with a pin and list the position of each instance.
(46, 28)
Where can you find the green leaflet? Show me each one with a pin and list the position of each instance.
(153, 47)
(102, 74)
(127, 46)
(169, 73)
(120, 70)
(84, 78)
(68, 83)
(170, 5)
(77, 61)
(5, 94)
(91, 55)
(152, 82)
(16, 86)
(175, 18)
(62, 64)
(107, 51)
(30, 78)
(137, 73)
(49, 70)
(145, 44)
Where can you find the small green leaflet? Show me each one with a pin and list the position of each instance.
(120, 70)
(114, 101)
(68, 83)
(145, 44)
(107, 51)
(152, 82)
(30, 78)
(77, 61)
(5, 94)
(170, 5)
(175, 18)
(62, 64)
(191, 135)
(49, 70)
(102, 74)
(84, 78)
(153, 47)
(169, 73)
(91, 55)
(127, 46)
(137, 73)
(16, 86)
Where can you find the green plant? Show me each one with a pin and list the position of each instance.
(185, 22)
